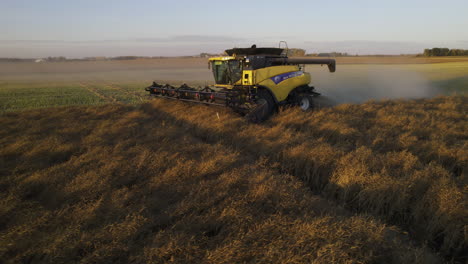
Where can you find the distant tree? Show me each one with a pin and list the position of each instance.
(16, 60)
(444, 52)
(296, 52)
(126, 58)
(206, 55)
(61, 58)
(333, 54)
(458, 52)
(428, 52)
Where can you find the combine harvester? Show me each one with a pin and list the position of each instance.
(253, 82)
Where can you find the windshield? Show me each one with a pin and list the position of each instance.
(227, 72)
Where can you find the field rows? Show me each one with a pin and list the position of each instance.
(403, 161)
(18, 96)
(372, 183)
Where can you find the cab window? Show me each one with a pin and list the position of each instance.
(227, 72)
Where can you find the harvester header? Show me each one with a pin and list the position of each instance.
(253, 82)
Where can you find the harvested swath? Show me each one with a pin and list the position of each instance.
(120, 184)
(402, 161)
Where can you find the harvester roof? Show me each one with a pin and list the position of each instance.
(223, 58)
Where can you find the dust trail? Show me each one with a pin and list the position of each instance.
(359, 83)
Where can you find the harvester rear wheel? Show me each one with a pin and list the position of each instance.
(306, 102)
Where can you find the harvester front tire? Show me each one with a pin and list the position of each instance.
(264, 110)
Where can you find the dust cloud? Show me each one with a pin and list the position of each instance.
(359, 83)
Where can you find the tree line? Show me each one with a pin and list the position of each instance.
(444, 52)
(302, 53)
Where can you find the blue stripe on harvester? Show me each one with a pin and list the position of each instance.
(284, 76)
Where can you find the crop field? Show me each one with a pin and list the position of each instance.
(27, 95)
(38, 85)
(93, 171)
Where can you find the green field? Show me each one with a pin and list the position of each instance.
(449, 77)
(27, 95)
(29, 85)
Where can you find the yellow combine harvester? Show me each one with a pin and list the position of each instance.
(253, 82)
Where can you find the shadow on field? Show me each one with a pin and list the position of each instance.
(346, 169)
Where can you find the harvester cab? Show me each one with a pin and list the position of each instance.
(253, 82)
(226, 70)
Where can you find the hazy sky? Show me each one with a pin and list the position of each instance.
(32, 28)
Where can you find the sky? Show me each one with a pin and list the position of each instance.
(86, 28)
